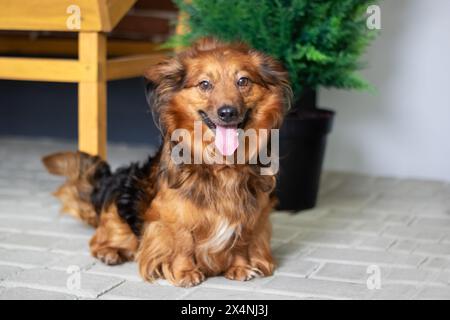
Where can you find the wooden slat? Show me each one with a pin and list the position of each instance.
(69, 47)
(128, 47)
(50, 15)
(35, 69)
(92, 95)
(182, 27)
(117, 9)
(132, 66)
(26, 46)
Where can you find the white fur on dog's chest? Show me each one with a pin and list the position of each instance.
(222, 238)
(218, 239)
(222, 235)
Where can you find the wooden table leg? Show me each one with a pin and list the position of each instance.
(92, 95)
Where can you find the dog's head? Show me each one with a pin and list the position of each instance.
(225, 86)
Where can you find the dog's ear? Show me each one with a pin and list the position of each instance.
(272, 73)
(162, 80)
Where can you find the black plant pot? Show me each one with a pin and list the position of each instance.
(303, 138)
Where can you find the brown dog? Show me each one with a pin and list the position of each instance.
(185, 221)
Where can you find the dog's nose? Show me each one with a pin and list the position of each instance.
(227, 113)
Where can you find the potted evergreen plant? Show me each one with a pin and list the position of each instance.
(320, 44)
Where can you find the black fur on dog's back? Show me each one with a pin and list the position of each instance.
(92, 187)
(126, 188)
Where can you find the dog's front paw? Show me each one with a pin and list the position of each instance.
(242, 273)
(189, 278)
(109, 256)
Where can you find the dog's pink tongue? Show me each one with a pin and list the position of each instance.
(226, 140)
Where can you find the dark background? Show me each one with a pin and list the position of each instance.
(41, 109)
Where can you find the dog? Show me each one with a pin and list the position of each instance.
(185, 222)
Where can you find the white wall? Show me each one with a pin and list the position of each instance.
(402, 130)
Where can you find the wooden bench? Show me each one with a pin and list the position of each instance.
(97, 60)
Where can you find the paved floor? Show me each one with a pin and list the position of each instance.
(369, 238)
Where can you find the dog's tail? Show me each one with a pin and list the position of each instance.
(84, 173)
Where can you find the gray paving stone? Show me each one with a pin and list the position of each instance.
(349, 190)
(282, 218)
(320, 224)
(374, 228)
(83, 261)
(7, 271)
(318, 288)
(417, 188)
(58, 227)
(127, 270)
(330, 180)
(397, 219)
(438, 209)
(433, 222)
(284, 233)
(443, 278)
(354, 201)
(412, 276)
(222, 282)
(39, 211)
(386, 184)
(394, 292)
(434, 293)
(330, 238)
(144, 290)
(26, 258)
(30, 241)
(415, 233)
(405, 246)
(72, 245)
(54, 280)
(355, 215)
(289, 251)
(436, 249)
(358, 256)
(343, 272)
(438, 263)
(19, 293)
(299, 267)
(296, 219)
(5, 235)
(390, 205)
(446, 239)
(216, 294)
(274, 244)
(374, 243)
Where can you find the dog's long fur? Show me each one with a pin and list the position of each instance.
(185, 222)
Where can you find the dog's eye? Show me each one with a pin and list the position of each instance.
(242, 82)
(205, 85)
